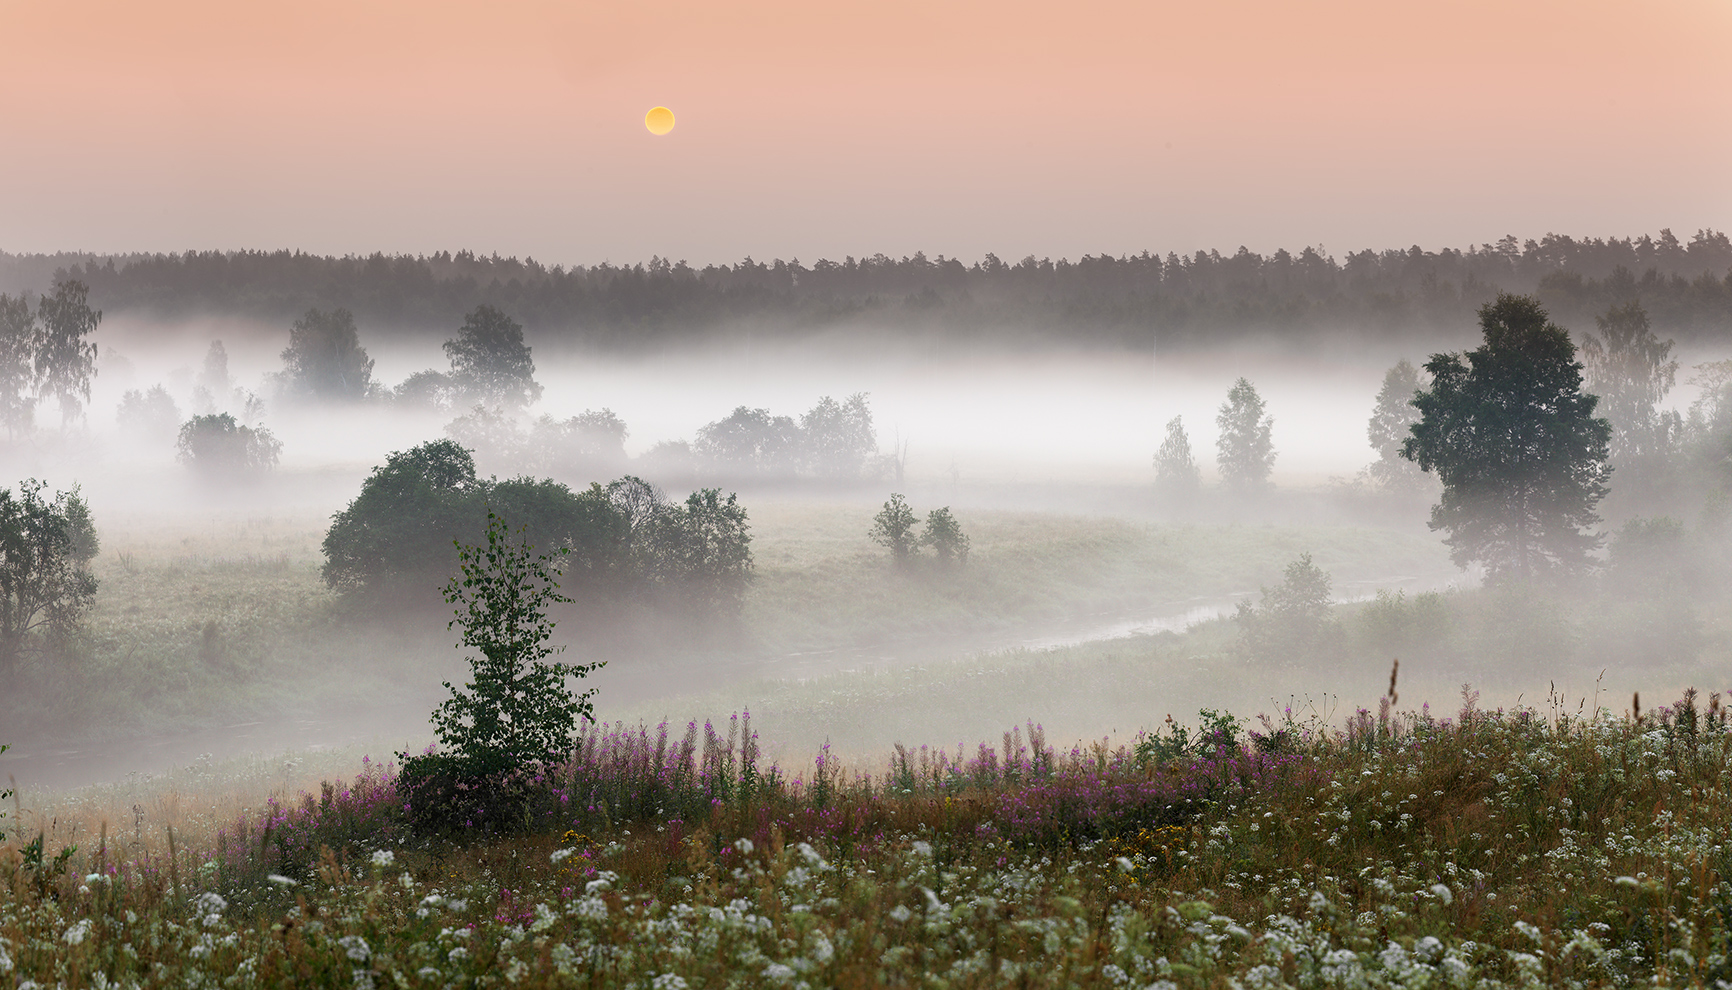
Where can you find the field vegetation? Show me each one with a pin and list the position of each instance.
(1551, 847)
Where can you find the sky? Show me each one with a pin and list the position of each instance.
(809, 130)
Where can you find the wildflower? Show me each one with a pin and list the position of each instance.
(921, 848)
(384, 858)
(777, 971)
(561, 855)
(1443, 893)
(280, 880)
(458, 954)
(668, 981)
(744, 845)
(355, 947)
(76, 934)
(901, 913)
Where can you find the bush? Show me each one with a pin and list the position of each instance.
(1292, 622)
(944, 535)
(45, 583)
(893, 529)
(219, 446)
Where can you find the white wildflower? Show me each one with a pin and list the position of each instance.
(384, 858)
(921, 847)
(559, 856)
(1443, 893)
(355, 947)
(779, 972)
(77, 933)
(901, 913)
(744, 845)
(280, 880)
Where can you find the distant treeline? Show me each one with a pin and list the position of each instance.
(1207, 297)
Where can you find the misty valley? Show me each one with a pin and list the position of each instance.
(1215, 621)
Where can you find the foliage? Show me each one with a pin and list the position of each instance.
(45, 552)
(325, 359)
(1514, 440)
(218, 446)
(394, 539)
(1631, 371)
(1396, 848)
(893, 529)
(832, 440)
(490, 363)
(427, 389)
(837, 439)
(1204, 298)
(751, 440)
(1292, 622)
(586, 442)
(150, 414)
(1244, 451)
(65, 359)
(517, 711)
(1177, 478)
(18, 342)
(1390, 425)
(945, 536)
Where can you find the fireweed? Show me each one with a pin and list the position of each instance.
(1490, 848)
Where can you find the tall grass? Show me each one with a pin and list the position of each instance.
(1491, 847)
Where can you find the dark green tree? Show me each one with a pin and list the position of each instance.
(325, 359)
(893, 529)
(518, 710)
(1389, 428)
(1177, 478)
(490, 363)
(17, 365)
(705, 547)
(65, 359)
(46, 547)
(1245, 451)
(1512, 436)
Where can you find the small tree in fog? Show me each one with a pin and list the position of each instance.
(1292, 621)
(65, 359)
(1514, 440)
(1390, 426)
(1244, 452)
(944, 535)
(750, 440)
(17, 365)
(518, 709)
(218, 446)
(1631, 371)
(837, 438)
(46, 547)
(426, 390)
(490, 363)
(705, 551)
(1177, 478)
(325, 359)
(150, 414)
(893, 529)
(592, 441)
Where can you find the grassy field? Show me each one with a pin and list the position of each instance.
(1490, 848)
(224, 618)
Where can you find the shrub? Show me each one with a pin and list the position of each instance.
(1292, 621)
(45, 552)
(217, 445)
(893, 529)
(944, 535)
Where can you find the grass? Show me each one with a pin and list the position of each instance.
(1396, 848)
(225, 619)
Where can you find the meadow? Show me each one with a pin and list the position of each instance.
(1392, 848)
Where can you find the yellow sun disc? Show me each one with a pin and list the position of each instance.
(659, 120)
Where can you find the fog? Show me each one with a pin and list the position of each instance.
(1006, 436)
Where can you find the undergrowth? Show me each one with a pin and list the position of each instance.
(1504, 847)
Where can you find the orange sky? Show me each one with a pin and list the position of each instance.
(822, 129)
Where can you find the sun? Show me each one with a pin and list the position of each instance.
(659, 120)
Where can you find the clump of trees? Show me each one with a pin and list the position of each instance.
(832, 440)
(219, 446)
(46, 352)
(46, 546)
(894, 529)
(621, 540)
(1514, 440)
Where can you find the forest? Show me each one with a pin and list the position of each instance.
(1203, 299)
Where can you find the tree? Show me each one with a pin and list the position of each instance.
(325, 359)
(1177, 478)
(490, 364)
(1631, 371)
(1244, 451)
(837, 438)
(518, 710)
(1514, 440)
(944, 535)
(1388, 430)
(750, 440)
(45, 552)
(893, 529)
(150, 415)
(1292, 621)
(427, 389)
(590, 441)
(218, 447)
(706, 549)
(17, 365)
(65, 360)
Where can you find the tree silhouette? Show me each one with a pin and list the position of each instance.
(1514, 440)
(1389, 428)
(1177, 477)
(1244, 452)
(325, 359)
(490, 363)
(65, 360)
